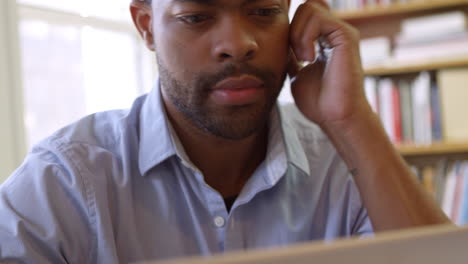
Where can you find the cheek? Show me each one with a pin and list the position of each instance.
(275, 49)
(180, 55)
(171, 54)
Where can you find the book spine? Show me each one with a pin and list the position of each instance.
(449, 192)
(434, 25)
(386, 105)
(457, 196)
(370, 88)
(421, 109)
(435, 113)
(406, 110)
(396, 114)
(463, 218)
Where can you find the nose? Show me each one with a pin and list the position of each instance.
(234, 41)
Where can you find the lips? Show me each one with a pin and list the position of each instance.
(236, 91)
(237, 83)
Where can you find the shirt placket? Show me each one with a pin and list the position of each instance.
(219, 216)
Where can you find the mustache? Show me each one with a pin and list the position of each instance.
(208, 81)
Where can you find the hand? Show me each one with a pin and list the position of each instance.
(331, 89)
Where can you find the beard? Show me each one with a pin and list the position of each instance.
(191, 98)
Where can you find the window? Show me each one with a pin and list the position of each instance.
(78, 58)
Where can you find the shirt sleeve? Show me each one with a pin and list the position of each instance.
(44, 213)
(362, 226)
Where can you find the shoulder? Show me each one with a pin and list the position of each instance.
(72, 155)
(104, 132)
(102, 129)
(65, 160)
(44, 202)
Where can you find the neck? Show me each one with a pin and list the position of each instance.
(226, 164)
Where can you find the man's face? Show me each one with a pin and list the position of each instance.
(222, 63)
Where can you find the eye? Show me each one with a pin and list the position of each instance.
(266, 11)
(193, 19)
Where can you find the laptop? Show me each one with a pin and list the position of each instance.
(444, 244)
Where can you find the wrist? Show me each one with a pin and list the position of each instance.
(358, 123)
(357, 135)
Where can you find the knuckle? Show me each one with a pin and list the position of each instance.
(352, 32)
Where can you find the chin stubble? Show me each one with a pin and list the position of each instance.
(235, 122)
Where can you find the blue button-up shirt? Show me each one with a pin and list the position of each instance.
(117, 187)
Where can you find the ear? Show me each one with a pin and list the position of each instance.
(142, 16)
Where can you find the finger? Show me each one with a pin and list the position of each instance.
(298, 28)
(335, 31)
(293, 65)
(305, 29)
(299, 21)
(309, 38)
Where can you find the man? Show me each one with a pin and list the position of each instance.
(207, 163)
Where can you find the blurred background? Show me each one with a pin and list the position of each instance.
(77, 58)
(63, 59)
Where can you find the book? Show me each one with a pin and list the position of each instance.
(370, 88)
(458, 192)
(396, 114)
(386, 112)
(453, 91)
(435, 113)
(428, 175)
(422, 126)
(406, 110)
(434, 25)
(463, 215)
(343, 5)
(432, 50)
(408, 41)
(449, 191)
(375, 51)
(441, 168)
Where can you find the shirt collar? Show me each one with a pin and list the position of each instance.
(294, 147)
(284, 147)
(155, 136)
(158, 141)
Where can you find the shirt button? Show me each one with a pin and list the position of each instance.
(219, 221)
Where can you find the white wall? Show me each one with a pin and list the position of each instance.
(12, 147)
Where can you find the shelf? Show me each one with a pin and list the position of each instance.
(426, 65)
(434, 149)
(398, 9)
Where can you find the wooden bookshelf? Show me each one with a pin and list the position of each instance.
(399, 9)
(429, 155)
(427, 65)
(386, 21)
(433, 149)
